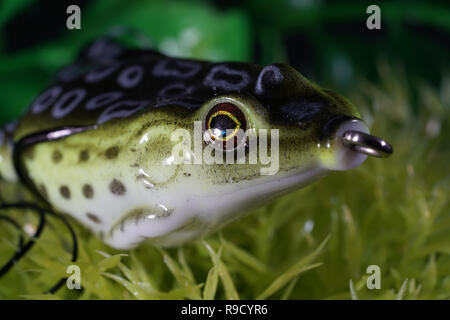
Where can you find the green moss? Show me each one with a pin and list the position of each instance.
(315, 243)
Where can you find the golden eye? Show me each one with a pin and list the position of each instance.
(223, 123)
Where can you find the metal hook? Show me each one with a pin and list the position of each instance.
(367, 144)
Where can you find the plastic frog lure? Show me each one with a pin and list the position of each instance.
(97, 144)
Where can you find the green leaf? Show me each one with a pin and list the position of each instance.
(110, 262)
(9, 8)
(183, 279)
(244, 257)
(230, 290)
(352, 290)
(212, 281)
(402, 291)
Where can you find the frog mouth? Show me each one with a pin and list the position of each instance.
(138, 216)
(160, 225)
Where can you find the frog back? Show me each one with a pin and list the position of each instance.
(108, 81)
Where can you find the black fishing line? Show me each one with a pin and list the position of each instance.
(61, 282)
(24, 248)
(16, 225)
(19, 147)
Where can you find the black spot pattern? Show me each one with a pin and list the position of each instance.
(131, 81)
(65, 192)
(112, 152)
(93, 218)
(117, 188)
(224, 77)
(84, 156)
(176, 68)
(270, 77)
(57, 156)
(88, 191)
(131, 76)
(43, 191)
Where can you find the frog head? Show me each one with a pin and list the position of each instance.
(241, 148)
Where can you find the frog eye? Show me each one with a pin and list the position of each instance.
(224, 122)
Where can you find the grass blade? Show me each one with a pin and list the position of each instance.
(298, 268)
(211, 284)
(230, 290)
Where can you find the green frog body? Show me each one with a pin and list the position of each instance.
(98, 143)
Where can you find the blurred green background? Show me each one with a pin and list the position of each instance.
(393, 213)
(327, 41)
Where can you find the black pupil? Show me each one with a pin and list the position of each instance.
(223, 123)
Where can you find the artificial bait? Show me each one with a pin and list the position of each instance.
(97, 144)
